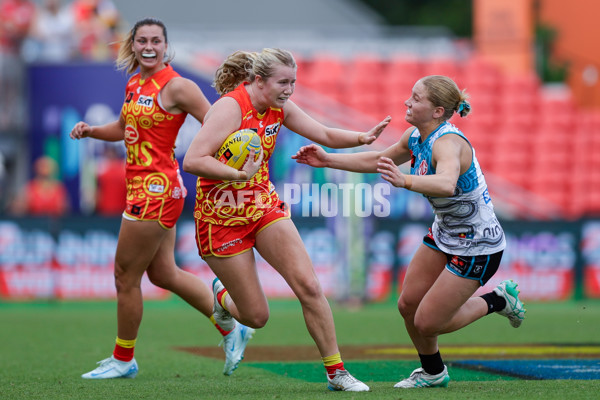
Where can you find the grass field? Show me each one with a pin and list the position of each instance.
(45, 347)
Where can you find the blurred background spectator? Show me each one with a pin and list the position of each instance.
(44, 194)
(16, 17)
(111, 190)
(97, 23)
(52, 34)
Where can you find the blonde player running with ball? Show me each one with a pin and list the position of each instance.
(256, 90)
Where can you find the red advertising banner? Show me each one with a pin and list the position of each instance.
(590, 251)
(75, 261)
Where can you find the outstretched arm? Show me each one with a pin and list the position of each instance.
(335, 138)
(366, 161)
(317, 157)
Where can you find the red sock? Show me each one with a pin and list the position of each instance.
(221, 330)
(332, 368)
(220, 297)
(122, 353)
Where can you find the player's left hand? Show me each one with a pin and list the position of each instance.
(372, 135)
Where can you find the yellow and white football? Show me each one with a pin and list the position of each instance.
(237, 146)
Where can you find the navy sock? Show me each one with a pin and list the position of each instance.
(494, 302)
(432, 363)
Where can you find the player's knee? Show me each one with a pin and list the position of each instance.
(425, 327)
(406, 308)
(124, 282)
(308, 290)
(257, 319)
(163, 281)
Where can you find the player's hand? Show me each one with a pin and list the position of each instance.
(251, 166)
(390, 172)
(80, 130)
(372, 135)
(312, 155)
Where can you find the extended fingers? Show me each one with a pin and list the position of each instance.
(304, 150)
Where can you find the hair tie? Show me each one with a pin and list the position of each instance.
(463, 108)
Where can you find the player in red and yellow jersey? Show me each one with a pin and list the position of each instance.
(157, 101)
(154, 186)
(237, 210)
(217, 210)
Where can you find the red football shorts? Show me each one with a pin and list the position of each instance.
(226, 241)
(165, 211)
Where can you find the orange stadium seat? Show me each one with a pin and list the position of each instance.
(543, 181)
(326, 75)
(402, 68)
(303, 68)
(443, 66)
(513, 104)
(519, 123)
(481, 75)
(510, 161)
(363, 84)
(366, 68)
(399, 76)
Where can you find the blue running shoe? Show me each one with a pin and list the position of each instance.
(234, 345)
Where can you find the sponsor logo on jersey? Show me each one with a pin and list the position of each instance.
(129, 97)
(272, 129)
(145, 101)
(154, 188)
(423, 168)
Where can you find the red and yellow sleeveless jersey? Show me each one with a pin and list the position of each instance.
(152, 171)
(241, 202)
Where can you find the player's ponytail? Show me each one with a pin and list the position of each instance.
(236, 69)
(443, 92)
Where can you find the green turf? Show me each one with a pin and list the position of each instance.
(44, 348)
(370, 371)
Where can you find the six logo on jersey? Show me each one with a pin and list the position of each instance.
(145, 101)
(272, 129)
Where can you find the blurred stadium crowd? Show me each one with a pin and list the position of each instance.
(46, 31)
(537, 146)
